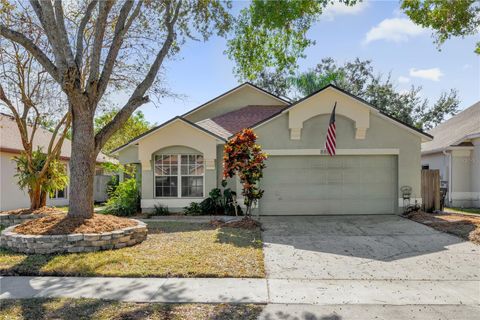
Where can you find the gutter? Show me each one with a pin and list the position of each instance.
(450, 178)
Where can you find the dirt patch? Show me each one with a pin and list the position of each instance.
(245, 223)
(464, 226)
(44, 210)
(58, 224)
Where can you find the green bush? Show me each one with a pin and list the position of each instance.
(193, 209)
(218, 203)
(160, 210)
(125, 200)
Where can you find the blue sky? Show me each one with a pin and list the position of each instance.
(374, 30)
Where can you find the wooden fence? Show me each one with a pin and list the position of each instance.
(430, 190)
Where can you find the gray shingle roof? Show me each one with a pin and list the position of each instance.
(10, 140)
(232, 122)
(454, 130)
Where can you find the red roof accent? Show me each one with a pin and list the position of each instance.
(246, 117)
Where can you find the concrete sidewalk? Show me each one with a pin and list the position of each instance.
(229, 290)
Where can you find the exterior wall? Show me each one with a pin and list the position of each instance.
(381, 134)
(475, 169)
(461, 184)
(240, 98)
(437, 161)
(12, 197)
(465, 183)
(128, 155)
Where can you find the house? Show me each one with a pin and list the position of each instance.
(11, 196)
(180, 161)
(455, 151)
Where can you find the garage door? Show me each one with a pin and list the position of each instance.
(308, 185)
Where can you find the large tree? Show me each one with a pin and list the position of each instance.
(448, 18)
(94, 46)
(359, 78)
(30, 96)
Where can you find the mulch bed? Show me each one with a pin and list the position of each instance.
(58, 224)
(464, 226)
(245, 223)
(44, 210)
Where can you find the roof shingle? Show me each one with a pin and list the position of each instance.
(454, 130)
(232, 122)
(10, 139)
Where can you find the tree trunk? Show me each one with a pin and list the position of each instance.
(35, 197)
(82, 163)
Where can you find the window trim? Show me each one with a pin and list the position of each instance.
(179, 176)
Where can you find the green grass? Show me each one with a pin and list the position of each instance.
(172, 249)
(44, 308)
(463, 210)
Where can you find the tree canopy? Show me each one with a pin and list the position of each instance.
(135, 126)
(457, 18)
(359, 78)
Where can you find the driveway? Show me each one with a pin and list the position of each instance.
(370, 261)
(365, 247)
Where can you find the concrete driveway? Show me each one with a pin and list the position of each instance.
(383, 260)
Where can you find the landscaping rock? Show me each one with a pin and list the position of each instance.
(46, 244)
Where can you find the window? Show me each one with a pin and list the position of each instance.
(59, 194)
(425, 167)
(179, 175)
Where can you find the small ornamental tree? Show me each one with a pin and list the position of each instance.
(243, 157)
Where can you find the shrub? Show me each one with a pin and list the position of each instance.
(125, 200)
(244, 158)
(160, 210)
(193, 209)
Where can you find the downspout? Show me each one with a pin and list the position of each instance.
(449, 175)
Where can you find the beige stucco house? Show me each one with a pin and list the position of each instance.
(11, 196)
(180, 161)
(455, 151)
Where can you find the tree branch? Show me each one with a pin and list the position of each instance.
(138, 96)
(44, 12)
(41, 57)
(104, 9)
(62, 33)
(121, 28)
(80, 34)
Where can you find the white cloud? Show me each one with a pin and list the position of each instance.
(403, 79)
(393, 30)
(433, 74)
(338, 8)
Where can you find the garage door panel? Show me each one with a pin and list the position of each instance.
(329, 185)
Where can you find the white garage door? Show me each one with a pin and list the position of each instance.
(309, 185)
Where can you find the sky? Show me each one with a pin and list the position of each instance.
(374, 30)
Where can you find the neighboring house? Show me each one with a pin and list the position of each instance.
(11, 196)
(455, 151)
(180, 161)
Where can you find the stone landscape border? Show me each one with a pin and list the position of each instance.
(77, 242)
(7, 220)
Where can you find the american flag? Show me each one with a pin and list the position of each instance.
(331, 143)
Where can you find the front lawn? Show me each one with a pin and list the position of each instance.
(34, 309)
(172, 249)
(461, 225)
(463, 210)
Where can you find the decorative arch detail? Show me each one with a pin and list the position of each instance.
(322, 104)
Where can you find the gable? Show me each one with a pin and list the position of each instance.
(237, 98)
(352, 107)
(185, 128)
